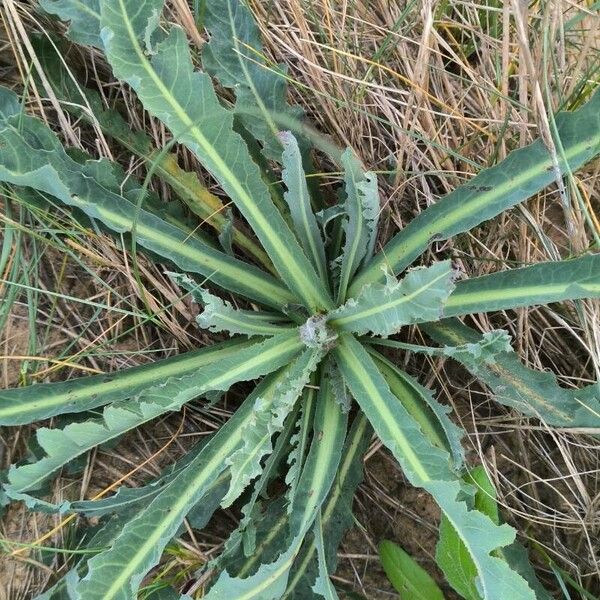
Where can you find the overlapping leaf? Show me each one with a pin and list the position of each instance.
(162, 74)
(522, 174)
(267, 420)
(63, 445)
(318, 473)
(235, 56)
(86, 104)
(428, 467)
(383, 308)
(336, 517)
(36, 402)
(32, 156)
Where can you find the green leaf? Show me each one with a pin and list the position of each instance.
(219, 315)
(185, 101)
(35, 402)
(533, 393)
(383, 309)
(336, 514)
(235, 56)
(521, 175)
(86, 104)
(267, 420)
(298, 200)
(318, 473)
(63, 445)
(127, 498)
(32, 156)
(408, 577)
(362, 214)
(299, 444)
(84, 16)
(455, 561)
(538, 284)
(323, 586)
(116, 573)
(429, 467)
(431, 416)
(451, 554)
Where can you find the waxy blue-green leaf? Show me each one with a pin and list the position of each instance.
(298, 200)
(362, 213)
(116, 573)
(521, 175)
(318, 474)
(41, 401)
(63, 445)
(267, 420)
(162, 74)
(219, 315)
(84, 16)
(533, 393)
(382, 309)
(32, 156)
(538, 284)
(428, 467)
(432, 417)
(336, 514)
(235, 56)
(87, 104)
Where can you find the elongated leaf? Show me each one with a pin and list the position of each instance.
(360, 227)
(408, 577)
(299, 444)
(269, 582)
(36, 402)
(86, 104)
(117, 573)
(537, 284)
(336, 515)
(185, 101)
(63, 445)
(451, 554)
(38, 161)
(84, 16)
(383, 309)
(484, 349)
(431, 416)
(429, 467)
(242, 542)
(323, 586)
(220, 315)
(127, 498)
(235, 56)
(267, 420)
(522, 174)
(298, 200)
(534, 393)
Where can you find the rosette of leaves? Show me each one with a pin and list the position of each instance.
(314, 300)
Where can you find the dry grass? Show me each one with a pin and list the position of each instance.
(426, 93)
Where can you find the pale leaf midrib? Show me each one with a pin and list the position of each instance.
(286, 258)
